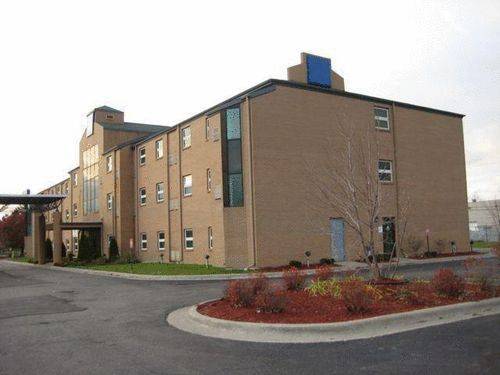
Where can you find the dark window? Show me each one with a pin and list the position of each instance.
(231, 151)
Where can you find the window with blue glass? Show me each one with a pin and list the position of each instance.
(231, 157)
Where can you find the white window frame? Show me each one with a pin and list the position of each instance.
(144, 241)
(109, 163)
(158, 192)
(210, 233)
(142, 156)
(209, 180)
(142, 197)
(185, 186)
(109, 201)
(188, 238)
(159, 241)
(186, 137)
(207, 129)
(381, 118)
(385, 171)
(75, 179)
(159, 148)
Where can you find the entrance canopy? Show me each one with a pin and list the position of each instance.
(40, 202)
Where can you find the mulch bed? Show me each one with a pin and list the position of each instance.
(446, 255)
(305, 308)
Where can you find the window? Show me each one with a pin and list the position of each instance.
(109, 199)
(186, 137)
(381, 118)
(67, 214)
(142, 196)
(210, 238)
(75, 179)
(161, 241)
(90, 124)
(160, 194)
(188, 239)
(110, 117)
(67, 244)
(231, 158)
(91, 180)
(75, 209)
(142, 156)
(207, 129)
(209, 180)
(109, 163)
(75, 240)
(159, 148)
(187, 183)
(144, 241)
(385, 170)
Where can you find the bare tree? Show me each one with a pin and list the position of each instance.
(348, 185)
(493, 208)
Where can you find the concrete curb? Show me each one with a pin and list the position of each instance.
(344, 268)
(189, 320)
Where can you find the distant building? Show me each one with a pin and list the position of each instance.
(483, 220)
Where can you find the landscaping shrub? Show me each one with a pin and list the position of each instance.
(48, 249)
(440, 245)
(414, 245)
(323, 273)
(240, 293)
(448, 283)
(294, 279)
(356, 296)
(113, 249)
(295, 264)
(482, 273)
(270, 300)
(259, 282)
(383, 257)
(325, 287)
(413, 294)
(327, 261)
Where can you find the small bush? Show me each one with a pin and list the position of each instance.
(412, 294)
(325, 288)
(481, 273)
(270, 300)
(327, 261)
(294, 279)
(295, 264)
(259, 282)
(113, 249)
(356, 296)
(383, 257)
(440, 245)
(447, 282)
(323, 273)
(414, 246)
(240, 293)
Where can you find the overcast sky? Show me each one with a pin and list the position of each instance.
(163, 61)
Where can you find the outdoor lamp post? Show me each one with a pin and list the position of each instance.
(471, 243)
(161, 258)
(206, 260)
(307, 254)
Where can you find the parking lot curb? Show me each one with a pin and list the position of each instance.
(189, 320)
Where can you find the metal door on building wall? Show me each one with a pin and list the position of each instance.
(337, 228)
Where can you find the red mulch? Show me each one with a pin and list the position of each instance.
(284, 268)
(303, 308)
(447, 255)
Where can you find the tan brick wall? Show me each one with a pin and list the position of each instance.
(290, 126)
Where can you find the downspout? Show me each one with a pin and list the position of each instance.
(115, 198)
(395, 164)
(252, 185)
(179, 145)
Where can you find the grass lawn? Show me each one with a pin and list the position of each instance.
(21, 259)
(159, 269)
(482, 245)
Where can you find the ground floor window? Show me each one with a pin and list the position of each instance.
(188, 239)
(161, 241)
(210, 238)
(144, 241)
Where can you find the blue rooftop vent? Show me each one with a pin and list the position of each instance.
(318, 71)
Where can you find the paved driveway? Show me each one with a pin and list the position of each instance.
(54, 322)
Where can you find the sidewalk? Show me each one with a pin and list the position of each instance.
(345, 267)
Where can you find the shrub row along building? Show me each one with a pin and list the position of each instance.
(237, 181)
